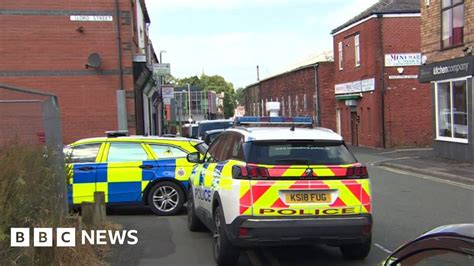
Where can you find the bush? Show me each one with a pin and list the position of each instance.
(31, 196)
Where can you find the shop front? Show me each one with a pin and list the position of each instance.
(452, 86)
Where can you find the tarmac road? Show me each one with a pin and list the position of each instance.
(405, 205)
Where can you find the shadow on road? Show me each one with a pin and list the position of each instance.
(129, 210)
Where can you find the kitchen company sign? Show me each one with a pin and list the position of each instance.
(455, 68)
(355, 86)
(396, 60)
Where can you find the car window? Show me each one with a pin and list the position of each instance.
(86, 153)
(215, 148)
(126, 152)
(226, 148)
(437, 257)
(299, 153)
(237, 151)
(166, 151)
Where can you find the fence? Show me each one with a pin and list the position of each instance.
(31, 117)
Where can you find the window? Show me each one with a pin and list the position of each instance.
(165, 151)
(451, 110)
(453, 22)
(305, 103)
(299, 153)
(296, 105)
(340, 55)
(338, 121)
(289, 105)
(437, 257)
(357, 50)
(126, 152)
(282, 106)
(86, 153)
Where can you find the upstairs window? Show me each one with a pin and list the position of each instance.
(453, 23)
(340, 55)
(357, 50)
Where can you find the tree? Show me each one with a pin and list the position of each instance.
(213, 83)
(239, 96)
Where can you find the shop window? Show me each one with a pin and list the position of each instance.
(451, 110)
(453, 22)
(357, 50)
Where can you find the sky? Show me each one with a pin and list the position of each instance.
(231, 37)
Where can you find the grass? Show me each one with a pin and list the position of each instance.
(30, 184)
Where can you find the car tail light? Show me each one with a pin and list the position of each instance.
(357, 172)
(249, 172)
(243, 231)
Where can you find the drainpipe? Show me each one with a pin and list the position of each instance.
(121, 96)
(382, 94)
(318, 100)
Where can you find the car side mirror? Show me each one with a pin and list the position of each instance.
(194, 157)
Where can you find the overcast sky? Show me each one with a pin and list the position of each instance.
(231, 37)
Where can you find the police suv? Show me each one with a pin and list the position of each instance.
(280, 185)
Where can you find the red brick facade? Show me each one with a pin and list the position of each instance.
(397, 112)
(43, 49)
(296, 92)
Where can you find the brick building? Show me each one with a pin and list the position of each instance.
(448, 64)
(380, 102)
(304, 89)
(92, 54)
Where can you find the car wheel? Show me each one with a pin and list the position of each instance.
(194, 224)
(224, 252)
(356, 251)
(166, 198)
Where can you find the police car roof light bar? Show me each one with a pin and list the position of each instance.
(116, 133)
(274, 120)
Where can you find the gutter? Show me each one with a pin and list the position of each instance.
(318, 101)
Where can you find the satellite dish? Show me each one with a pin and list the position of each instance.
(93, 60)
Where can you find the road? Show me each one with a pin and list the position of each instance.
(405, 205)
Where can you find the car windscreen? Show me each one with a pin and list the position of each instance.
(210, 126)
(298, 153)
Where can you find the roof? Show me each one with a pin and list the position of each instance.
(140, 138)
(384, 7)
(284, 133)
(308, 61)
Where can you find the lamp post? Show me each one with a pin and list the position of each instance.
(160, 102)
(189, 107)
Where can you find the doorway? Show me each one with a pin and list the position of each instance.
(354, 128)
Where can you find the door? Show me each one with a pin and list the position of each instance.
(354, 128)
(127, 171)
(82, 167)
(172, 162)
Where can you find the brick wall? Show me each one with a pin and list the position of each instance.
(431, 32)
(402, 97)
(326, 92)
(42, 49)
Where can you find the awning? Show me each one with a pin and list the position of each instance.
(353, 96)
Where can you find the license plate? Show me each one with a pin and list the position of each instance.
(307, 197)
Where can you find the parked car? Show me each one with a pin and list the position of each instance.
(207, 125)
(134, 170)
(280, 186)
(211, 135)
(451, 245)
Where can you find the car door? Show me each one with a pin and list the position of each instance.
(83, 161)
(202, 182)
(127, 167)
(172, 162)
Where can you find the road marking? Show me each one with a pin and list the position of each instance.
(382, 248)
(435, 179)
(254, 260)
(389, 159)
(273, 261)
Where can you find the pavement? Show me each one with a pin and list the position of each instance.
(420, 160)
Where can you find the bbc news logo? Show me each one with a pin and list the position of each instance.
(66, 237)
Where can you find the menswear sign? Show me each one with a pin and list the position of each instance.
(396, 60)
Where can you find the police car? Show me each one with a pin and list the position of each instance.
(280, 185)
(131, 169)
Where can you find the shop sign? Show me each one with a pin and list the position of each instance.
(167, 93)
(396, 60)
(355, 86)
(455, 68)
